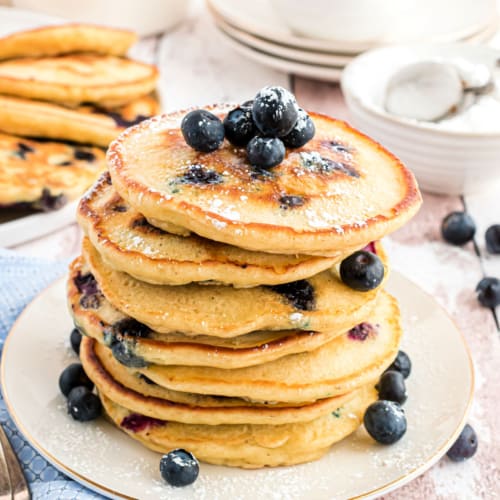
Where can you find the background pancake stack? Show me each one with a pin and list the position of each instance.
(66, 91)
(248, 355)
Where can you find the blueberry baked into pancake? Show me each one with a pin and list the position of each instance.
(45, 175)
(230, 291)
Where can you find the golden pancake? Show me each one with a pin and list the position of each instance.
(65, 39)
(248, 446)
(97, 318)
(78, 78)
(128, 243)
(164, 409)
(322, 303)
(84, 124)
(341, 190)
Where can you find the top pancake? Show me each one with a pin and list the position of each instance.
(65, 39)
(323, 197)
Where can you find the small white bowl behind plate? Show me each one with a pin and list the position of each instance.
(445, 158)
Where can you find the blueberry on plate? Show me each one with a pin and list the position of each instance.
(362, 271)
(75, 339)
(275, 111)
(458, 228)
(385, 421)
(492, 237)
(488, 292)
(74, 376)
(202, 130)
(179, 468)
(83, 405)
(239, 126)
(265, 152)
(302, 132)
(465, 446)
(401, 364)
(391, 387)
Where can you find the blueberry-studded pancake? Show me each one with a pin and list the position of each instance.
(45, 175)
(85, 124)
(66, 39)
(340, 190)
(78, 78)
(97, 318)
(321, 303)
(127, 242)
(337, 367)
(248, 446)
(103, 371)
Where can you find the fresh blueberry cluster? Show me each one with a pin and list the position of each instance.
(458, 228)
(265, 126)
(385, 419)
(83, 404)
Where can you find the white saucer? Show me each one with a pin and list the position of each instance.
(319, 72)
(283, 51)
(108, 461)
(259, 18)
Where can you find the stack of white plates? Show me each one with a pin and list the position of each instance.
(256, 30)
(451, 157)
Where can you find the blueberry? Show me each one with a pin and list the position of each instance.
(299, 293)
(75, 340)
(83, 405)
(458, 228)
(492, 237)
(465, 446)
(239, 126)
(123, 351)
(385, 421)
(202, 130)
(74, 376)
(488, 292)
(362, 271)
(392, 387)
(275, 111)
(179, 468)
(401, 364)
(302, 132)
(265, 152)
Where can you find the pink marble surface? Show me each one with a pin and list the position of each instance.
(207, 71)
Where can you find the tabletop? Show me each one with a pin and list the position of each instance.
(196, 68)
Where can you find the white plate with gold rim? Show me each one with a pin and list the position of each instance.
(105, 459)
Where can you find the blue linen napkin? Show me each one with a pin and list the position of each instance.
(21, 279)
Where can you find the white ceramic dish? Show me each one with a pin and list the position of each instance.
(33, 226)
(444, 160)
(146, 18)
(284, 51)
(259, 18)
(319, 72)
(106, 460)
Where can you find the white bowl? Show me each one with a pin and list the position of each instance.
(143, 17)
(443, 160)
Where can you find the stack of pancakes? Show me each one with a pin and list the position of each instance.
(209, 295)
(66, 92)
